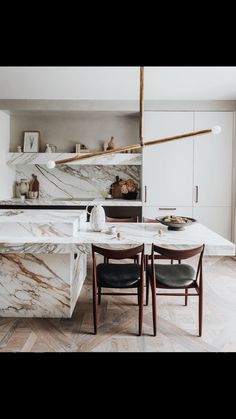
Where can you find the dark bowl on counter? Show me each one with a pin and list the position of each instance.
(176, 226)
(130, 195)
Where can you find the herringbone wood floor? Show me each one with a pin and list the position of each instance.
(177, 325)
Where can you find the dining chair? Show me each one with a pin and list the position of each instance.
(176, 277)
(122, 276)
(148, 257)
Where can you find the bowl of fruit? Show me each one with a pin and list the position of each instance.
(175, 222)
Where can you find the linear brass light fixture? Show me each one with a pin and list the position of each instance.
(215, 130)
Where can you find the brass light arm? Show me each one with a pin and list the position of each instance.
(178, 137)
(214, 130)
(99, 153)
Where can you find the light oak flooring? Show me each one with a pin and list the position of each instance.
(177, 325)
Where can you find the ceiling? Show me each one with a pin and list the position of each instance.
(118, 83)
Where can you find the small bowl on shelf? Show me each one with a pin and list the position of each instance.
(178, 223)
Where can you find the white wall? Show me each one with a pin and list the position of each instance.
(65, 129)
(7, 174)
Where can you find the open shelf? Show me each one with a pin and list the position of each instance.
(43, 158)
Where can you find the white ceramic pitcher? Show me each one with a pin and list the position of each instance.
(97, 218)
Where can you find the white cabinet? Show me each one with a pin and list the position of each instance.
(154, 212)
(213, 160)
(190, 177)
(213, 166)
(168, 167)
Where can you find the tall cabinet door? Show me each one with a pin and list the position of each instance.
(168, 167)
(213, 159)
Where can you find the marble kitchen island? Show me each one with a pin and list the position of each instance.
(43, 270)
(37, 277)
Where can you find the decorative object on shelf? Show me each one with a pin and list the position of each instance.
(97, 218)
(19, 149)
(31, 141)
(111, 144)
(115, 190)
(105, 145)
(22, 188)
(50, 148)
(129, 189)
(77, 148)
(33, 188)
(130, 195)
(84, 149)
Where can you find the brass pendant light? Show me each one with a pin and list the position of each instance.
(215, 130)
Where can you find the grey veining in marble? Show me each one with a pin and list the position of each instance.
(34, 286)
(77, 181)
(43, 158)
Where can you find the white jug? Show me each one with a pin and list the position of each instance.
(97, 218)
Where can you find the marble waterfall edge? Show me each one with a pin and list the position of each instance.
(39, 285)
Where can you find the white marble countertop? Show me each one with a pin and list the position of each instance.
(39, 216)
(73, 202)
(132, 234)
(40, 223)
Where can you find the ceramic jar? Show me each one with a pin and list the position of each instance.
(22, 187)
(97, 218)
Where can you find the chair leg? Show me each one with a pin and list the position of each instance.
(95, 308)
(186, 297)
(145, 262)
(147, 290)
(200, 312)
(140, 323)
(99, 295)
(138, 294)
(154, 314)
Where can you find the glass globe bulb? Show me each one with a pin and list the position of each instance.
(216, 129)
(51, 164)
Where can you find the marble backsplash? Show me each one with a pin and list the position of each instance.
(77, 181)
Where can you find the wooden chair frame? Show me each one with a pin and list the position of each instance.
(118, 255)
(178, 255)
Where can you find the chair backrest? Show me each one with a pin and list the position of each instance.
(179, 255)
(122, 220)
(118, 254)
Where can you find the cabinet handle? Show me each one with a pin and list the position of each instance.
(197, 194)
(145, 194)
(167, 209)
